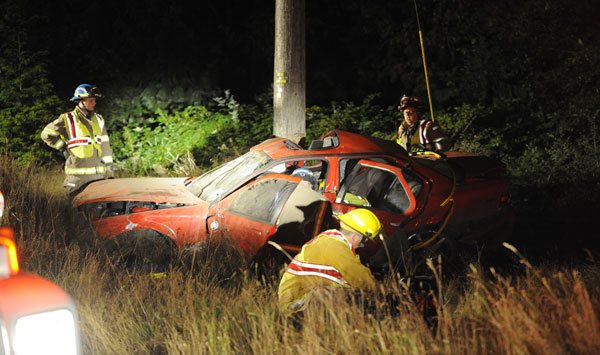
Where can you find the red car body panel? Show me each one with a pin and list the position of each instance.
(250, 234)
(184, 225)
(169, 190)
(27, 294)
(461, 189)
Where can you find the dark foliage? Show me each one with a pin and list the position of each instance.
(27, 101)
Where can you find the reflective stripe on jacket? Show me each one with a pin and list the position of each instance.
(81, 141)
(299, 268)
(427, 133)
(94, 170)
(410, 138)
(88, 145)
(328, 260)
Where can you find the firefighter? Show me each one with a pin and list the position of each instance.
(82, 138)
(329, 260)
(415, 131)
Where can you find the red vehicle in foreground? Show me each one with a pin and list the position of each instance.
(36, 316)
(280, 192)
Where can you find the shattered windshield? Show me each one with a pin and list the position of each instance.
(212, 185)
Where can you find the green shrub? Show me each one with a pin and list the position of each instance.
(365, 118)
(158, 144)
(131, 106)
(167, 129)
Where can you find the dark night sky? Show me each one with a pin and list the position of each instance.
(214, 44)
(354, 48)
(135, 41)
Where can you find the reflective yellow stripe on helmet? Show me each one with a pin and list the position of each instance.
(94, 170)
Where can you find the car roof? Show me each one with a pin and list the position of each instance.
(333, 142)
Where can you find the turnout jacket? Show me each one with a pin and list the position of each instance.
(86, 141)
(328, 260)
(427, 133)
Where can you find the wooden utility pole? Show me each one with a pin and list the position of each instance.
(289, 78)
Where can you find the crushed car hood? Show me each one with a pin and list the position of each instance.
(168, 190)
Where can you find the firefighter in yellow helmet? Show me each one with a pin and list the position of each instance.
(416, 130)
(81, 136)
(330, 260)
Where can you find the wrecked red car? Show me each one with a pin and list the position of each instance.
(279, 191)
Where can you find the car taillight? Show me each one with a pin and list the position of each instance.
(9, 264)
(504, 198)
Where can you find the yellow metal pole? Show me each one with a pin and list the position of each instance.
(426, 76)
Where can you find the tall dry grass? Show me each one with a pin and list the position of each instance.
(544, 309)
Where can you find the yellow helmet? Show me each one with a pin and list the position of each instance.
(362, 221)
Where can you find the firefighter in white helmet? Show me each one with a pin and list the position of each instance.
(330, 260)
(82, 137)
(415, 131)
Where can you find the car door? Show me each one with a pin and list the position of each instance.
(381, 188)
(256, 212)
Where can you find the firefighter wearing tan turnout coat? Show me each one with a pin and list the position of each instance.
(81, 136)
(416, 132)
(329, 260)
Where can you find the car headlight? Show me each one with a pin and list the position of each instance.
(46, 333)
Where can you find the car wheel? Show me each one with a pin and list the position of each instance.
(444, 247)
(398, 256)
(217, 261)
(140, 250)
(267, 265)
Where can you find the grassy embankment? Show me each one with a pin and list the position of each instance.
(541, 309)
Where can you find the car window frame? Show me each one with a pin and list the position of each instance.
(395, 170)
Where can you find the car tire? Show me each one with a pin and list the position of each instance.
(217, 261)
(400, 256)
(140, 249)
(268, 264)
(448, 250)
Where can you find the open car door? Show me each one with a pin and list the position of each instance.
(276, 206)
(382, 188)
